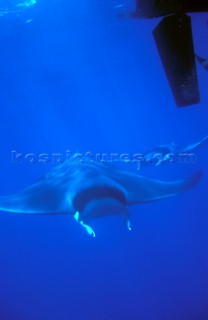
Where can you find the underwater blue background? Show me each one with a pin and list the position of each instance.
(74, 76)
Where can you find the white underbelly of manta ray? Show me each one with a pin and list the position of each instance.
(88, 190)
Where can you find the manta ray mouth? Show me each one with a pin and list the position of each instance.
(99, 196)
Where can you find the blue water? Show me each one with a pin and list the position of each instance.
(74, 76)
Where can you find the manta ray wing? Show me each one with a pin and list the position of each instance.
(139, 189)
(194, 146)
(37, 199)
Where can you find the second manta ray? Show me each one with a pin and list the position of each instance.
(170, 152)
(88, 190)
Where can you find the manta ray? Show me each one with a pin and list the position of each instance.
(89, 189)
(168, 152)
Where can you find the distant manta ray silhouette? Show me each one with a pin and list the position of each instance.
(164, 153)
(88, 189)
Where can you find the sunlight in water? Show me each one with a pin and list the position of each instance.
(27, 3)
(15, 8)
